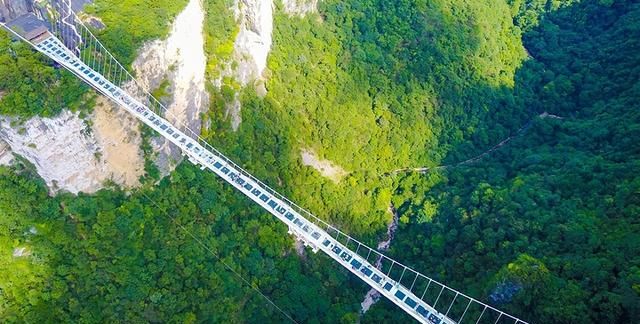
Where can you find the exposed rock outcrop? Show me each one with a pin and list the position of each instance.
(78, 5)
(75, 155)
(253, 43)
(250, 51)
(180, 59)
(10, 9)
(118, 137)
(372, 296)
(6, 156)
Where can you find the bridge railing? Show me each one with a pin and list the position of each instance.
(454, 304)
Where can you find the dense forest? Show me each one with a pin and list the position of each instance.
(30, 86)
(545, 226)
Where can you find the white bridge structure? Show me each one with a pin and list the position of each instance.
(65, 39)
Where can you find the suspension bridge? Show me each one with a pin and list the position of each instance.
(64, 38)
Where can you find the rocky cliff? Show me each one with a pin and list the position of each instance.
(66, 154)
(250, 50)
(253, 42)
(81, 158)
(181, 61)
(253, 45)
(10, 9)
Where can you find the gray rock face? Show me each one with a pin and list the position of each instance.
(67, 153)
(73, 159)
(71, 156)
(78, 5)
(253, 43)
(10, 9)
(59, 148)
(250, 51)
(6, 156)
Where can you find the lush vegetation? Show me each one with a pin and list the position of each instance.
(368, 99)
(220, 31)
(375, 86)
(545, 227)
(116, 257)
(30, 86)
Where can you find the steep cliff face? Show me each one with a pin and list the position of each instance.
(109, 149)
(6, 156)
(181, 61)
(10, 9)
(70, 153)
(300, 7)
(67, 155)
(250, 51)
(253, 43)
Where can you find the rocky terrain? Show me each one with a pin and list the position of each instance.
(69, 156)
(325, 167)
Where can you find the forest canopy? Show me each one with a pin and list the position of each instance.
(544, 225)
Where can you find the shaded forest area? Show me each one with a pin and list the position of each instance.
(546, 227)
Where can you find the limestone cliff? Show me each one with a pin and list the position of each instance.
(253, 45)
(181, 61)
(250, 50)
(67, 155)
(10, 9)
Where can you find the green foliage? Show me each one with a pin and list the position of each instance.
(31, 86)
(162, 92)
(363, 87)
(118, 258)
(220, 32)
(152, 172)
